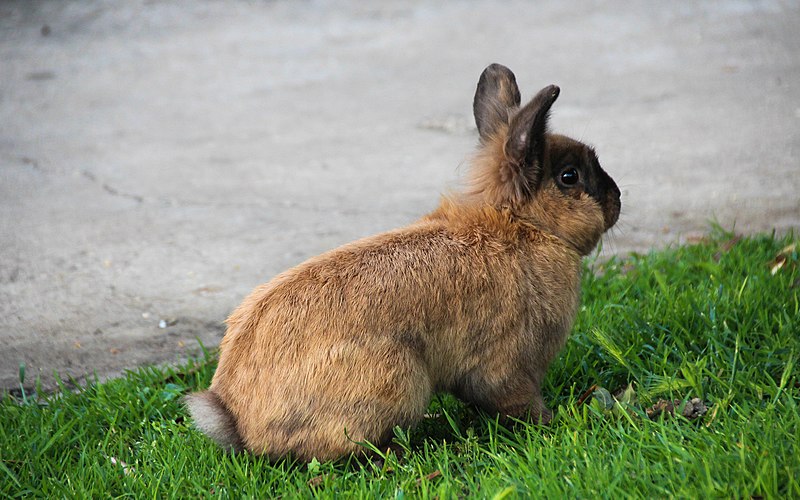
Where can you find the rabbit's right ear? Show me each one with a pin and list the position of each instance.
(526, 135)
(496, 99)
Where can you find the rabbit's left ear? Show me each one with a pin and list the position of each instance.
(526, 136)
(496, 99)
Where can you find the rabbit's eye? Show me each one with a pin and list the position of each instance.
(569, 176)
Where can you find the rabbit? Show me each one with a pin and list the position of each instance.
(475, 299)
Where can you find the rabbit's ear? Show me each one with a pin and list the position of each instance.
(496, 97)
(526, 136)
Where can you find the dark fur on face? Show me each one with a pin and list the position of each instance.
(566, 153)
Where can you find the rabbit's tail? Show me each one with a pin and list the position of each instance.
(213, 418)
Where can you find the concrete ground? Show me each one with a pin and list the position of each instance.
(160, 159)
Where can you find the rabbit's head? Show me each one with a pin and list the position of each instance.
(548, 180)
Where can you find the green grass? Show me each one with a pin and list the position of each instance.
(707, 320)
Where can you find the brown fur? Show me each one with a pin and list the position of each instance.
(476, 298)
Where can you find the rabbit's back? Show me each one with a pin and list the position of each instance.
(359, 337)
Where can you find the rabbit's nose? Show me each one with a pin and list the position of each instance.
(612, 186)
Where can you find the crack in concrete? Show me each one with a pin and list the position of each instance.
(33, 163)
(110, 189)
(265, 205)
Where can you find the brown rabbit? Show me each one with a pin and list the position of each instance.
(475, 299)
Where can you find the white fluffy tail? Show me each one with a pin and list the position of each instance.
(213, 418)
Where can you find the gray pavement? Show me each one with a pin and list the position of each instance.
(160, 159)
